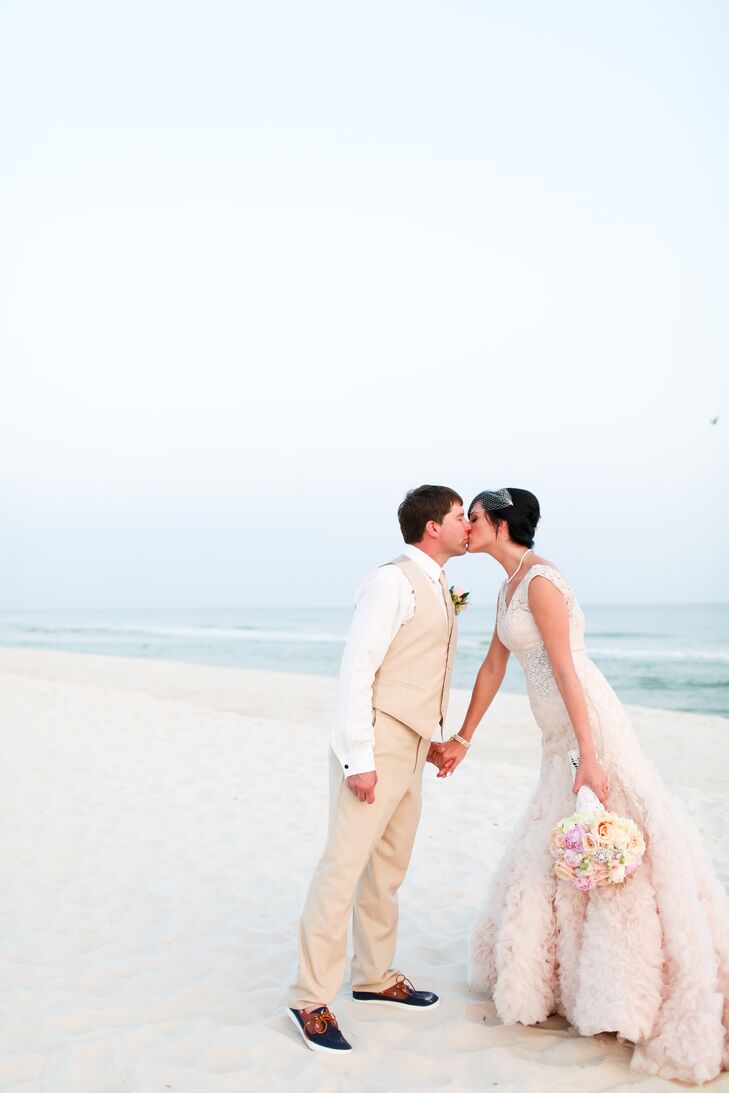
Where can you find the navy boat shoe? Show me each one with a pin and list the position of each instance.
(320, 1031)
(402, 993)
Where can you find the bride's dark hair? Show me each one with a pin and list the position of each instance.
(521, 518)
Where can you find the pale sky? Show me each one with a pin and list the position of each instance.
(266, 266)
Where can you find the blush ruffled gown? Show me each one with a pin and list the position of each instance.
(648, 959)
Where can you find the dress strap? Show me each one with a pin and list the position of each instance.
(553, 575)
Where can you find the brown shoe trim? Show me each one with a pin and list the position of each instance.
(315, 1023)
(401, 989)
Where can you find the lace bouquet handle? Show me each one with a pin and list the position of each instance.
(593, 847)
(587, 799)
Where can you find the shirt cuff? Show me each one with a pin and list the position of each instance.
(358, 762)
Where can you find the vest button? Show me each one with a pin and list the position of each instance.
(346, 766)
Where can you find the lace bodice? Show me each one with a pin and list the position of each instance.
(520, 634)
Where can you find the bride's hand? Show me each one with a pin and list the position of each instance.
(590, 773)
(451, 754)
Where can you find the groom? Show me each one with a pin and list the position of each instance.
(393, 693)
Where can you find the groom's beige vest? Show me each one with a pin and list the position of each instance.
(413, 680)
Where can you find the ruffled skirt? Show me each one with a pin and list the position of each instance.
(648, 960)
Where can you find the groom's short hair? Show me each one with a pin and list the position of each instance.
(423, 504)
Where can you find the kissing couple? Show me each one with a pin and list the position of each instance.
(647, 959)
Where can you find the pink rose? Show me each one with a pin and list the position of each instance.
(583, 883)
(458, 592)
(589, 842)
(572, 858)
(558, 839)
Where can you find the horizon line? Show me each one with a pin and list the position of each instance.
(347, 607)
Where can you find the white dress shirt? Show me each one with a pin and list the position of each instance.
(385, 601)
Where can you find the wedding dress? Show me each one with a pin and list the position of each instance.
(648, 959)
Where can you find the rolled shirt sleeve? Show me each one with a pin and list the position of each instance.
(382, 605)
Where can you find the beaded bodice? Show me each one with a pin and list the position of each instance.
(520, 634)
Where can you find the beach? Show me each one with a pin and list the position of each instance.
(161, 822)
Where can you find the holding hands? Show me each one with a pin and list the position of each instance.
(446, 756)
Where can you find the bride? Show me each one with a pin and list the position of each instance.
(649, 959)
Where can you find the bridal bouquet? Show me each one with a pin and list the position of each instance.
(593, 847)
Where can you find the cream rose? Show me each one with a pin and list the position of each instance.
(621, 837)
(611, 834)
(562, 871)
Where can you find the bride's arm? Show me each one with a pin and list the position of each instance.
(488, 681)
(550, 613)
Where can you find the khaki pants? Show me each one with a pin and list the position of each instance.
(364, 862)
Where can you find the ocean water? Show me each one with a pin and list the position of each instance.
(674, 656)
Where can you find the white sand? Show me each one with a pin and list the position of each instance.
(160, 825)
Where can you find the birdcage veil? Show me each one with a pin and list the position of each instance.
(490, 500)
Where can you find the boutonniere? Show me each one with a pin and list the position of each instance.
(459, 598)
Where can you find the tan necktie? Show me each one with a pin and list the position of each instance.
(447, 598)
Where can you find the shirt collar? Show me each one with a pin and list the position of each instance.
(430, 568)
